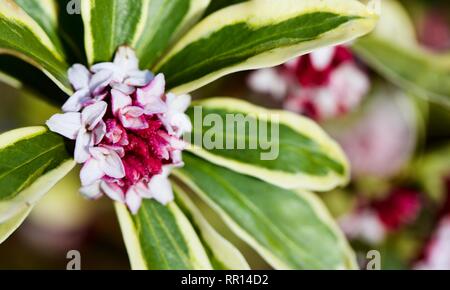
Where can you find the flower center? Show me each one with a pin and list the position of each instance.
(127, 130)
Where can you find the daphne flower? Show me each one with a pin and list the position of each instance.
(381, 139)
(116, 133)
(86, 127)
(434, 31)
(108, 187)
(365, 225)
(324, 84)
(174, 119)
(150, 96)
(104, 161)
(130, 139)
(79, 77)
(172, 109)
(158, 188)
(371, 222)
(132, 117)
(123, 74)
(437, 252)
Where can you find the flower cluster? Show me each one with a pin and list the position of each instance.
(324, 84)
(127, 130)
(371, 222)
(436, 253)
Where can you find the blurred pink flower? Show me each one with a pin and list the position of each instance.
(371, 222)
(436, 254)
(434, 31)
(400, 208)
(324, 84)
(382, 137)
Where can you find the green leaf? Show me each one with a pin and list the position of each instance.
(393, 51)
(32, 161)
(216, 5)
(164, 21)
(223, 255)
(260, 33)
(45, 13)
(8, 227)
(23, 37)
(290, 230)
(432, 171)
(71, 30)
(27, 154)
(293, 153)
(22, 75)
(147, 25)
(109, 24)
(161, 238)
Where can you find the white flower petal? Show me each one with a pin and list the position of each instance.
(75, 102)
(181, 123)
(113, 191)
(269, 81)
(79, 77)
(123, 88)
(177, 158)
(103, 66)
(119, 100)
(91, 172)
(67, 124)
(112, 165)
(99, 153)
(118, 149)
(350, 85)
(132, 118)
(84, 141)
(161, 188)
(100, 81)
(157, 107)
(133, 200)
(138, 78)
(152, 105)
(321, 58)
(178, 103)
(143, 190)
(154, 90)
(126, 59)
(98, 133)
(93, 114)
(92, 191)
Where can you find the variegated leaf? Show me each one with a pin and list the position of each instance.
(278, 147)
(161, 238)
(23, 37)
(146, 25)
(260, 33)
(45, 13)
(24, 76)
(8, 227)
(216, 5)
(393, 51)
(289, 229)
(32, 161)
(222, 254)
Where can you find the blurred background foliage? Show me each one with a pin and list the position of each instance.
(397, 202)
